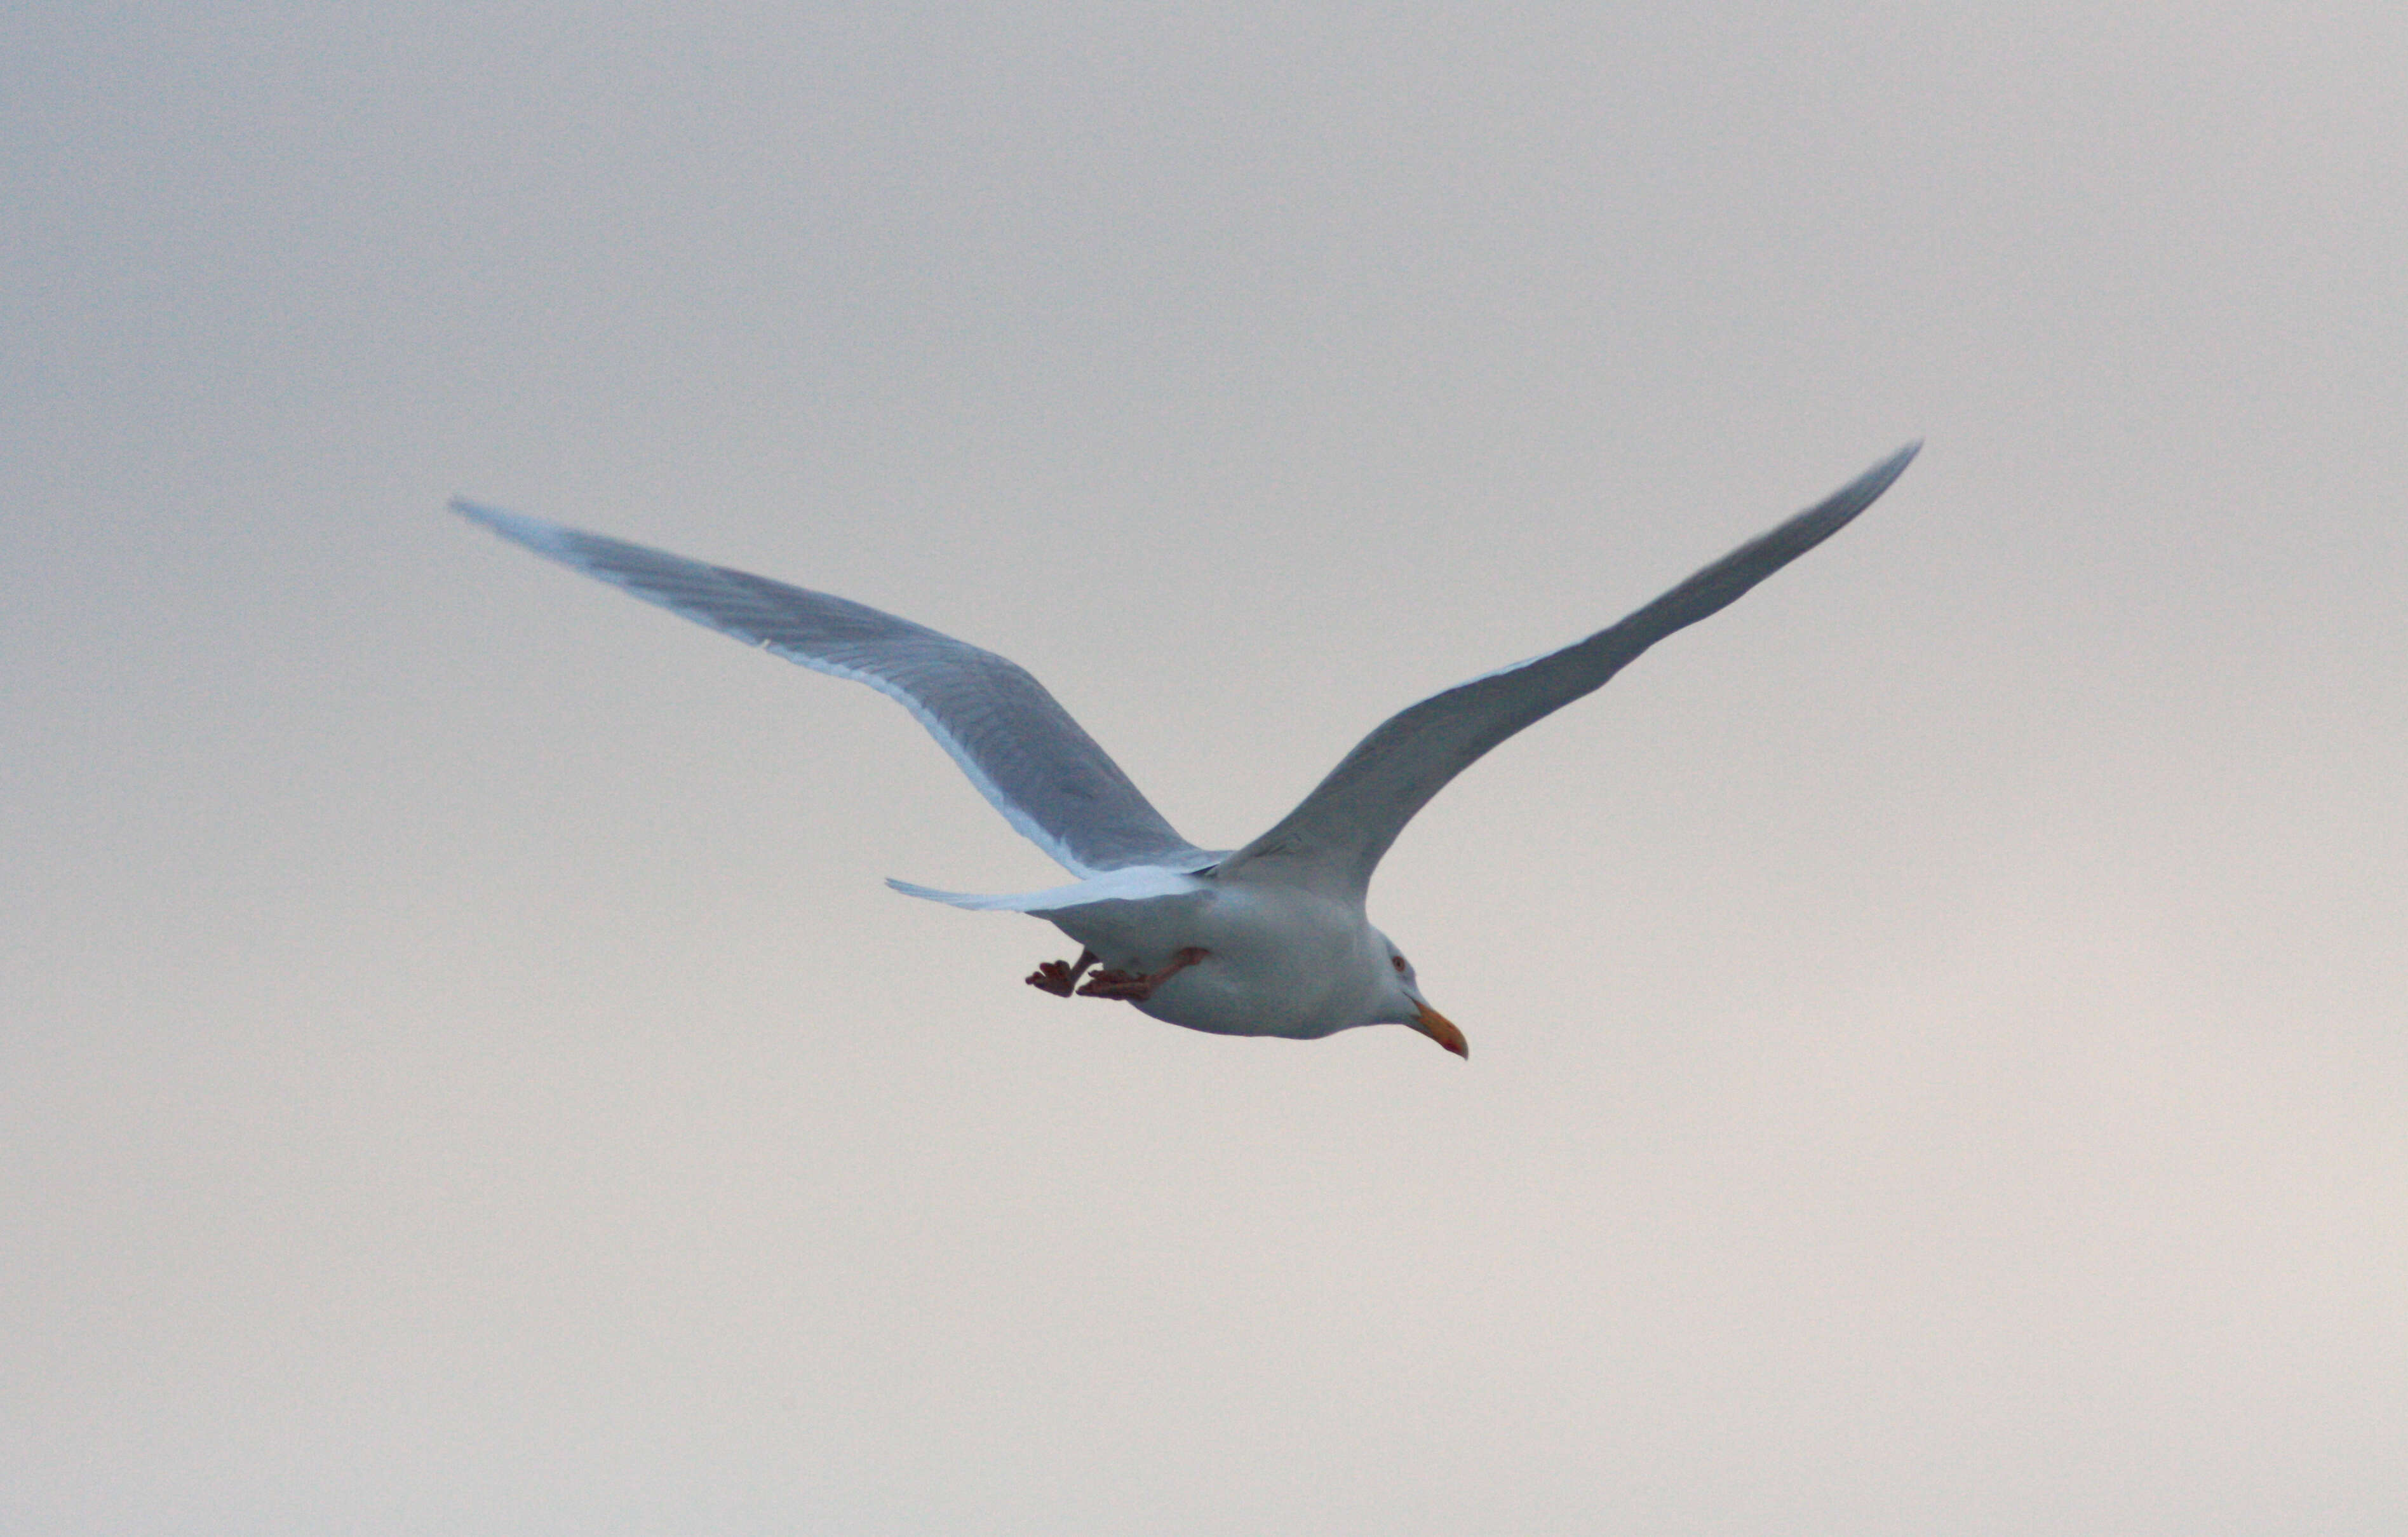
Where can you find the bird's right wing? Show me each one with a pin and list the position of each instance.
(1023, 751)
(1334, 840)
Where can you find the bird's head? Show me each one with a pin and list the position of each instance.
(1404, 1004)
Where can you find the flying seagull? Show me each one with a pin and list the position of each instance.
(1269, 940)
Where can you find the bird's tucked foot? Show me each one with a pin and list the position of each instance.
(1060, 977)
(1137, 986)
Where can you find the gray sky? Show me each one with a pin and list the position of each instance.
(1939, 1053)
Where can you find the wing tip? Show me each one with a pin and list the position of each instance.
(1872, 483)
(476, 512)
(534, 533)
(1837, 511)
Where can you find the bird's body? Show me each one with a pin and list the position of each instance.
(1278, 960)
(1270, 939)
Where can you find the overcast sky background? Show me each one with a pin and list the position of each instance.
(1939, 1055)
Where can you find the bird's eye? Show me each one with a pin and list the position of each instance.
(1397, 961)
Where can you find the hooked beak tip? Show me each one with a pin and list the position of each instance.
(1442, 1029)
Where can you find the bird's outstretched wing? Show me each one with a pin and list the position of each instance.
(1022, 749)
(1334, 840)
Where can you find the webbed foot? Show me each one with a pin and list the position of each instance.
(1060, 977)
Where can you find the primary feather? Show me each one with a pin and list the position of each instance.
(1022, 749)
(1336, 836)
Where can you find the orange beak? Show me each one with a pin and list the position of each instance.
(1442, 1029)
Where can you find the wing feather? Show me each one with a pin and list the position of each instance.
(1024, 752)
(1336, 837)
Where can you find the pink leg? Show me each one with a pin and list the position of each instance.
(1134, 988)
(1059, 977)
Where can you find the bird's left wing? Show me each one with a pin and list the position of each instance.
(1020, 748)
(1334, 840)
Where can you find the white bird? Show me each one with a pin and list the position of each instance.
(1269, 940)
